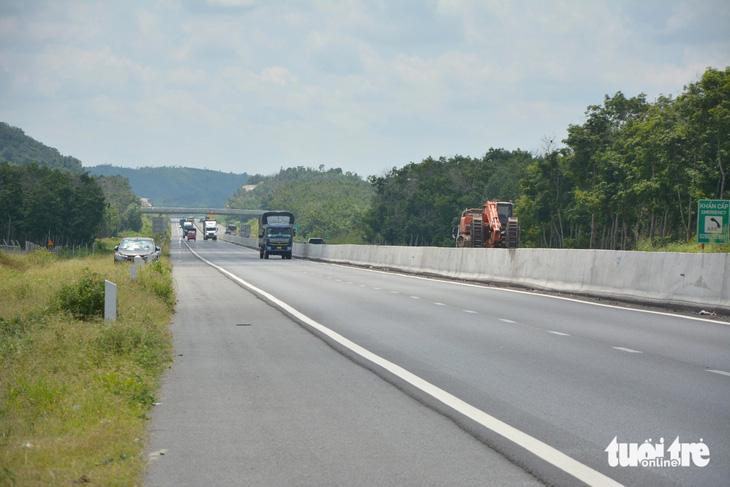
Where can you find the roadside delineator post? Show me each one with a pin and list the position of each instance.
(110, 301)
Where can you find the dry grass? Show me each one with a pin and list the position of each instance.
(74, 394)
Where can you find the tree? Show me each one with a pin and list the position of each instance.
(132, 217)
(47, 203)
(420, 203)
(327, 204)
(112, 222)
(11, 201)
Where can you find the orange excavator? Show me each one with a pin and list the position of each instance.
(492, 226)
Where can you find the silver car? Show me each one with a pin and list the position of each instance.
(131, 247)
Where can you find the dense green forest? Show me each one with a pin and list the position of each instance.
(420, 203)
(18, 148)
(326, 204)
(632, 172)
(32, 169)
(38, 203)
(178, 186)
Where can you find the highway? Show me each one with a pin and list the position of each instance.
(555, 386)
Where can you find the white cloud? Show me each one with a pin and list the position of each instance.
(278, 75)
(364, 84)
(231, 3)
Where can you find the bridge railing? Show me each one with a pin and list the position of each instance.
(179, 210)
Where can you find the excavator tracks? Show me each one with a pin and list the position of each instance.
(513, 233)
(477, 232)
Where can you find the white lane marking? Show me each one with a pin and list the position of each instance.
(722, 372)
(439, 304)
(377, 288)
(628, 350)
(469, 311)
(548, 296)
(507, 321)
(559, 333)
(394, 292)
(415, 297)
(540, 449)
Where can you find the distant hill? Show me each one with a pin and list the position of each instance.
(164, 186)
(177, 186)
(20, 149)
(327, 204)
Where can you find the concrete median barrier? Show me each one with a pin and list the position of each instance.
(696, 281)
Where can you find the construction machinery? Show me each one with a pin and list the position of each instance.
(492, 226)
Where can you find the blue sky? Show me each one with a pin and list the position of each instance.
(364, 85)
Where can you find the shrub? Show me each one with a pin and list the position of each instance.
(84, 300)
(145, 344)
(164, 291)
(13, 262)
(160, 283)
(41, 257)
(159, 267)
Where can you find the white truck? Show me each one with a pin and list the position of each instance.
(210, 229)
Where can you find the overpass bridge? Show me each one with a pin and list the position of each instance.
(180, 210)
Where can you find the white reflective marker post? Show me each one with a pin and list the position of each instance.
(110, 301)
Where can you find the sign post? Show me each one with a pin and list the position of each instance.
(713, 222)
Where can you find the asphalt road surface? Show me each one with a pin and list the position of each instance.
(483, 386)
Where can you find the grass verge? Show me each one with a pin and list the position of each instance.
(690, 247)
(75, 391)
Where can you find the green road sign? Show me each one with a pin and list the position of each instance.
(713, 221)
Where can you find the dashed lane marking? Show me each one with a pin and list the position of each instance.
(627, 350)
(721, 372)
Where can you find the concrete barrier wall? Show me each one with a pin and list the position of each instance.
(661, 278)
(698, 281)
(252, 243)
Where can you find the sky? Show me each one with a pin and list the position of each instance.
(363, 85)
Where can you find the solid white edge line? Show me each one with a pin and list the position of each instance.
(533, 445)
